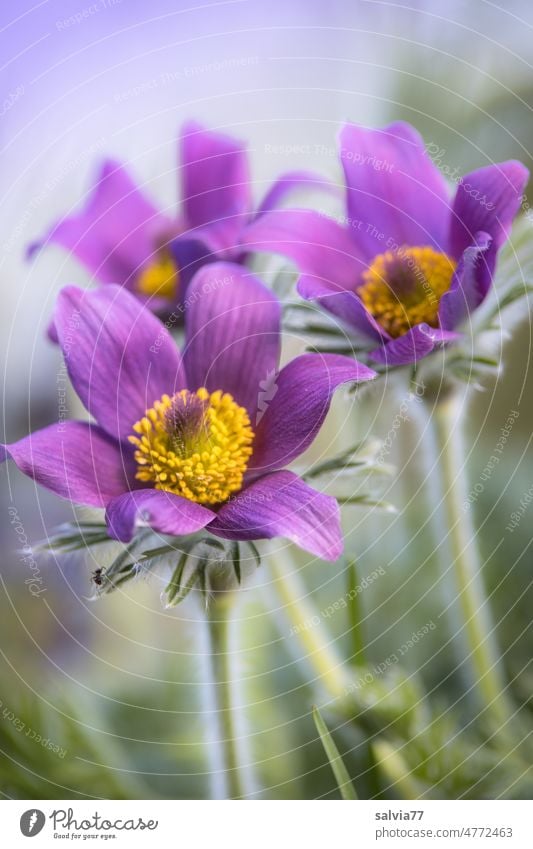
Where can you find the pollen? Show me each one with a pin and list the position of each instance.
(194, 444)
(403, 288)
(160, 277)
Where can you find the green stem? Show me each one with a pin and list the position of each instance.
(333, 675)
(219, 623)
(488, 681)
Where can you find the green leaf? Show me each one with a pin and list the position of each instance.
(152, 553)
(362, 455)
(346, 788)
(354, 615)
(253, 548)
(173, 587)
(123, 568)
(513, 276)
(74, 537)
(368, 501)
(313, 329)
(186, 589)
(236, 551)
(347, 350)
(202, 583)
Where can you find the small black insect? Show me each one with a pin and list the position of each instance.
(98, 577)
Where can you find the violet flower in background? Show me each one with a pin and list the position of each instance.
(121, 237)
(187, 442)
(408, 264)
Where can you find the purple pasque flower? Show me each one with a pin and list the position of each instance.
(196, 440)
(121, 237)
(409, 263)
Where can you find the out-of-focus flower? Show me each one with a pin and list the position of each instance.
(408, 264)
(121, 236)
(187, 442)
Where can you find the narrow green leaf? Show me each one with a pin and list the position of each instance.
(253, 548)
(72, 542)
(151, 553)
(236, 551)
(339, 461)
(346, 788)
(467, 362)
(123, 568)
(202, 582)
(345, 350)
(185, 590)
(173, 587)
(367, 501)
(519, 290)
(355, 615)
(313, 329)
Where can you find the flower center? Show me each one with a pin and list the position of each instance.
(195, 444)
(403, 288)
(160, 277)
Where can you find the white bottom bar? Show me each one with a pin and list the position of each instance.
(264, 825)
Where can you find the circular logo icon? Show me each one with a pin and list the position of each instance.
(32, 822)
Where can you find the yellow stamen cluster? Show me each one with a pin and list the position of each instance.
(160, 277)
(195, 444)
(403, 288)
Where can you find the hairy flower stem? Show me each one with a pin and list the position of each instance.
(488, 682)
(372, 703)
(333, 675)
(219, 616)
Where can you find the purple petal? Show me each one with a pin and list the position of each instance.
(115, 233)
(469, 284)
(215, 177)
(51, 332)
(119, 356)
(318, 245)
(394, 189)
(190, 253)
(487, 200)
(76, 460)
(162, 511)
(232, 323)
(345, 306)
(220, 240)
(290, 182)
(295, 406)
(281, 504)
(413, 345)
